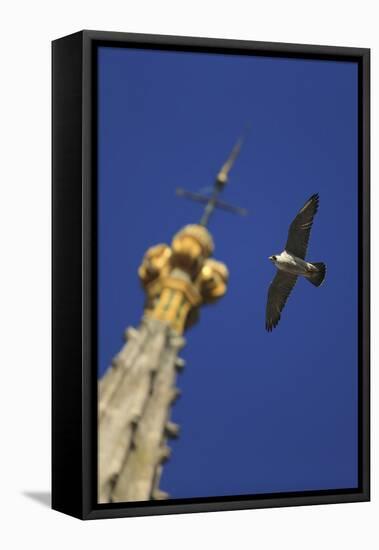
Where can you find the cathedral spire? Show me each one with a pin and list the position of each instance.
(138, 390)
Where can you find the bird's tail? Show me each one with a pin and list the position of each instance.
(317, 277)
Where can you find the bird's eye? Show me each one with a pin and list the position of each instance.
(274, 258)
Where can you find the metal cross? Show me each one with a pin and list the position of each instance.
(211, 202)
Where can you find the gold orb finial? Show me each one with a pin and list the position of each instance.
(178, 279)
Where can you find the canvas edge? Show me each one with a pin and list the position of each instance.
(67, 421)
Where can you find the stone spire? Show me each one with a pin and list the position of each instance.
(136, 393)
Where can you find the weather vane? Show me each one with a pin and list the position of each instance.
(212, 201)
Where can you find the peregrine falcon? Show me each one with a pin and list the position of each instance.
(291, 263)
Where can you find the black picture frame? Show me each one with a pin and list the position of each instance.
(74, 204)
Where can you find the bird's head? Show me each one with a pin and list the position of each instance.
(272, 258)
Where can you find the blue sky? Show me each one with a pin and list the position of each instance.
(259, 412)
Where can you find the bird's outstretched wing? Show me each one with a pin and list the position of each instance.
(300, 228)
(280, 289)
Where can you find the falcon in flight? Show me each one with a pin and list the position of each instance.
(291, 263)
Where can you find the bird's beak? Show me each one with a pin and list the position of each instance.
(270, 258)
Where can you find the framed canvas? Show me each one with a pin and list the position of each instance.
(210, 242)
